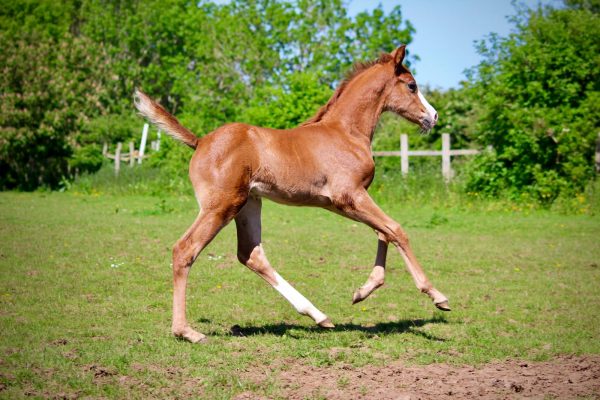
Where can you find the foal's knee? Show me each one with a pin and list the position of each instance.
(397, 236)
(182, 257)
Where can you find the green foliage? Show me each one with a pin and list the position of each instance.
(458, 110)
(86, 159)
(50, 89)
(172, 160)
(540, 95)
(111, 128)
(590, 5)
(286, 107)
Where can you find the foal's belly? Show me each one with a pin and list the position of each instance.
(295, 196)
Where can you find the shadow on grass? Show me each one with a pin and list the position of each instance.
(382, 328)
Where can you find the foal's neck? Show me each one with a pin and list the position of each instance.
(360, 105)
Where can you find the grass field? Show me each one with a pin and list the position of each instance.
(85, 293)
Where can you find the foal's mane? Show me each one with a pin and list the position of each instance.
(356, 69)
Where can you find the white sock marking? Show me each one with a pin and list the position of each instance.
(300, 303)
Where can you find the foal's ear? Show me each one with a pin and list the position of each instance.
(398, 56)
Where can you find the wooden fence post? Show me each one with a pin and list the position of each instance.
(446, 169)
(404, 153)
(131, 151)
(143, 143)
(118, 158)
(104, 149)
(158, 140)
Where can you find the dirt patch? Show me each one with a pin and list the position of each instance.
(72, 354)
(171, 371)
(563, 377)
(54, 396)
(101, 374)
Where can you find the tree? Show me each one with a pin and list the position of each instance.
(540, 94)
(50, 89)
(286, 107)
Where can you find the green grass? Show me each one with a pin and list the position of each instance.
(85, 293)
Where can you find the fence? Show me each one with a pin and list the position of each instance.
(446, 154)
(133, 154)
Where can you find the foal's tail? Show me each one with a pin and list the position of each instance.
(163, 119)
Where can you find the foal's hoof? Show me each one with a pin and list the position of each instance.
(444, 306)
(357, 297)
(326, 323)
(190, 335)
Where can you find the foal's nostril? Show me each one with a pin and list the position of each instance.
(435, 117)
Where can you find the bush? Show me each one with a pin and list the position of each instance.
(87, 159)
(540, 91)
(49, 89)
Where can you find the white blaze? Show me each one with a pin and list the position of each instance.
(430, 110)
(300, 303)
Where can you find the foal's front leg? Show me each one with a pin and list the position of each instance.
(376, 278)
(362, 208)
(252, 255)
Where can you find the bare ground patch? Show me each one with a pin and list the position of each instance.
(562, 377)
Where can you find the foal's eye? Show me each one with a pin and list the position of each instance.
(412, 86)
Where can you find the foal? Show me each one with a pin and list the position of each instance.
(325, 162)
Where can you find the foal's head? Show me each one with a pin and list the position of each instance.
(404, 96)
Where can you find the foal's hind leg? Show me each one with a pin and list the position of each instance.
(185, 252)
(376, 278)
(251, 254)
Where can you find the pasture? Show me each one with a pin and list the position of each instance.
(85, 293)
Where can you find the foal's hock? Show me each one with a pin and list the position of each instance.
(324, 162)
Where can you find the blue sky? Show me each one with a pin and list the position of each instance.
(446, 31)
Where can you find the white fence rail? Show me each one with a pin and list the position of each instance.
(446, 153)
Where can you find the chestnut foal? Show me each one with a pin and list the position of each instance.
(325, 162)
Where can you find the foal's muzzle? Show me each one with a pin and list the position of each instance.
(428, 122)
